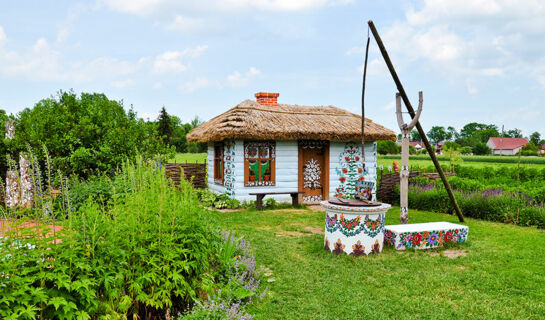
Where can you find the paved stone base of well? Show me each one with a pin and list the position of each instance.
(424, 235)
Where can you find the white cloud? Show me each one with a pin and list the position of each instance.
(471, 40)
(170, 61)
(389, 106)
(154, 7)
(191, 86)
(236, 79)
(123, 83)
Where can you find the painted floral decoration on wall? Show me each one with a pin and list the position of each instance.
(350, 171)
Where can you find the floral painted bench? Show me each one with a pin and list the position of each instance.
(424, 235)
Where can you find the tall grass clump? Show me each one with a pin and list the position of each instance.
(151, 252)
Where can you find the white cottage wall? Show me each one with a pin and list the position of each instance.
(287, 166)
(336, 149)
(286, 172)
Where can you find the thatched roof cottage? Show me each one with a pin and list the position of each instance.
(263, 146)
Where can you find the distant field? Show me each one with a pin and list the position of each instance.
(472, 161)
(189, 157)
(414, 161)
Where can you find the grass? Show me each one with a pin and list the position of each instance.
(190, 157)
(502, 275)
(426, 163)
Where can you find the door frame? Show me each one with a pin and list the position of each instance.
(325, 169)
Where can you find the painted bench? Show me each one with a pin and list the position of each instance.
(260, 195)
(424, 235)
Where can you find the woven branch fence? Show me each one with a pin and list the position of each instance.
(194, 172)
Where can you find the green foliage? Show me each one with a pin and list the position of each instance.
(387, 147)
(535, 138)
(466, 150)
(150, 250)
(415, 136)
(412, 150)
(481, 149)
(485, 159)
(437, 134)
(220, 201)
(164, 125)
(86, 134)
(270, 203)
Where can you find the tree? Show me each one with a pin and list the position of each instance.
(474, 133)
(164, 125)
(451, 145)
(387, 147)
(453, 154)
(535, 138)
(481, 149)
(437, 134)
(415, 136)
(86, 133)
(412, 150)
(514, 133)
(452, 134)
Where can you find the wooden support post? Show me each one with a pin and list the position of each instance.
(412, 113)
(404, 173)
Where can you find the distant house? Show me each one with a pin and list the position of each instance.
(542, 149)
(417, 145)
(439, 147)
(506, 146)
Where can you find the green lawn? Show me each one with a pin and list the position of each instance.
(189, 157)
(502, 275)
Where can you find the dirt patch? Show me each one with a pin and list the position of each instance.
(315, 207)
(315, 230)
(451, 253)
(8, 226)
(454, 253)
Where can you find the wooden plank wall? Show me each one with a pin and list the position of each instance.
(194, 172)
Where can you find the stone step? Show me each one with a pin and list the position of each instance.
(424, 235)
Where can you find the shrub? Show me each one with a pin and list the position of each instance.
(387, 147)
(86, 133)
(152, 251)
(219, 201)
(481, 149)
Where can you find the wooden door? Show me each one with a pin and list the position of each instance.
(314, 170)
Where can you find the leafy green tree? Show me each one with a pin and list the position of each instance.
(437, 134)
(474, 133)
(415, 136)
(412, 150)
(86, 133)
(481, 149)
(451, 145)
(452, 134)
(387, 147)
(164, 125)
(535, 138)
(514, 133)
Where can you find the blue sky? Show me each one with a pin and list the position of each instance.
(475, 60)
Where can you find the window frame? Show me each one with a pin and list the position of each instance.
(219, 158)
(272, 158)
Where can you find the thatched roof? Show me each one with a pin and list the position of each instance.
(250, 120)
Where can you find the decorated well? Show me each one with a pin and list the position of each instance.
(354, 230)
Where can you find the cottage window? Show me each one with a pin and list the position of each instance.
(218, 163)
(259, 164)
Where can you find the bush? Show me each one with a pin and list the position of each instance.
(481, 149)
(220, 201)
(466, 150)
(86, 134)
(387, 147)
(152, 251)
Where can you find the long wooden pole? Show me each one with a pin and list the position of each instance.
(401, 90)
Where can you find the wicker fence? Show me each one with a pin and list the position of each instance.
(194, 172)
(389, 180)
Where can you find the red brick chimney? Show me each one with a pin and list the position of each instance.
(267, 98)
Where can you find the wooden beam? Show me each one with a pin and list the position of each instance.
(401, 90)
